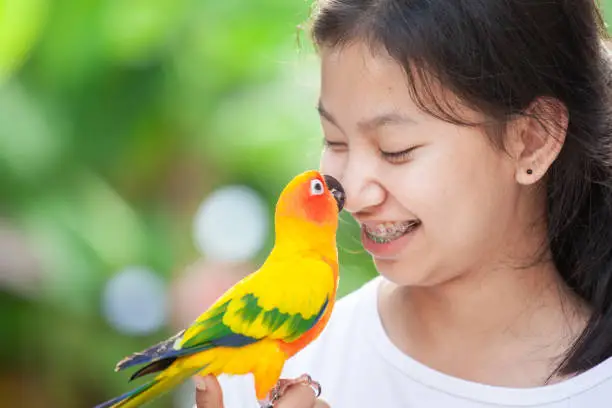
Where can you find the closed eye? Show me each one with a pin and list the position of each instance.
(398, 157)
(334, 145)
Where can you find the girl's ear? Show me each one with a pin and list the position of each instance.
(535, 138)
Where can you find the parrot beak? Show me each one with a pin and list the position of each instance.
(336, 189)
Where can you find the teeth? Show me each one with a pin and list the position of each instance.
(388, 231)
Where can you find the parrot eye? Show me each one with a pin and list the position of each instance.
(316, 187)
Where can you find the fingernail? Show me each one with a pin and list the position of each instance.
(200, 383)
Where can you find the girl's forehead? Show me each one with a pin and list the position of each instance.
(356, 74)
(366, 84)
(360, 58)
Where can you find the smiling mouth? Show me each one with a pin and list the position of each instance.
(389, 231)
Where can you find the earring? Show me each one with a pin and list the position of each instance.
(529, 171)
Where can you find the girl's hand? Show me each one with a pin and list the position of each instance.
(209, 395)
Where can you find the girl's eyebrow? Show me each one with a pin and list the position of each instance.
(325, 114)
(383, 119)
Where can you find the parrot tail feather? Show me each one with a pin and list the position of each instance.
(154, 367)
(157, 351)
(149, 391)
(118, 401)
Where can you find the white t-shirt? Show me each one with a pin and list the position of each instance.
(358, 366)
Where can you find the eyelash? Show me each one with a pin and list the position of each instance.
(329, 144)
(397, 157)
(393, 157)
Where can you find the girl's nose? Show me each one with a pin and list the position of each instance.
(363, 190)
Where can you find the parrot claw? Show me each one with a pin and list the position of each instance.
(283, 384)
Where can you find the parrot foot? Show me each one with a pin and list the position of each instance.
(284, 383)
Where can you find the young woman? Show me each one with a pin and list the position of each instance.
(473, 139)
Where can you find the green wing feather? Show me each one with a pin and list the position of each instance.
(283, 300)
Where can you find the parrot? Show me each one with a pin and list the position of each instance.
(266, 317)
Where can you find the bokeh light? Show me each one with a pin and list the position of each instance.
(231, 224)
(134, 301)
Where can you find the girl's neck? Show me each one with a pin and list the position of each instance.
(514, 324)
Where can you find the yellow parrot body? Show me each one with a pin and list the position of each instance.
(268, 316)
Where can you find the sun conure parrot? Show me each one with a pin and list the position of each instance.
(268, 316)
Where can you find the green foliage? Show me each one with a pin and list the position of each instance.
(116, 120)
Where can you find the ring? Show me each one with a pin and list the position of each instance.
(316, 387)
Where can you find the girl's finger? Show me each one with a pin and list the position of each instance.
(208, 392)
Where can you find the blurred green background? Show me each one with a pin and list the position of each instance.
(143, 144)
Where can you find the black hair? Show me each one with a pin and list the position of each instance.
(498, 57)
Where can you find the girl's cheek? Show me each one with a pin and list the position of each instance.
(427, 189)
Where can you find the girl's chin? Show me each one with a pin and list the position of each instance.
(397, 272)
(401, 272)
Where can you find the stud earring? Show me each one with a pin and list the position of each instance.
(529, 171)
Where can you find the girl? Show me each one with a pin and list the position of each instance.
(472, 138)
